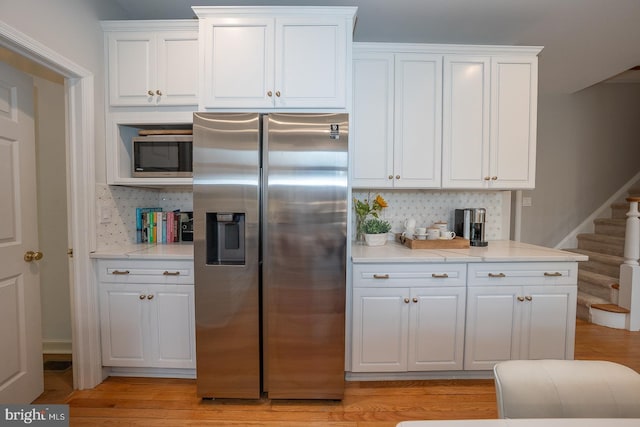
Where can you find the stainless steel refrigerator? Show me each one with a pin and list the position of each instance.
(270, 214)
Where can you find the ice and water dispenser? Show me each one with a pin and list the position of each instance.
(225, 238)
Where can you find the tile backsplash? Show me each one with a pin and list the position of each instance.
(425, 206)
(429, 206)
(122, 203)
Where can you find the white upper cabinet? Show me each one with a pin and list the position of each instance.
(152, 63)
(444, 116)
(396, 119)
(489, 121)
(265, 58)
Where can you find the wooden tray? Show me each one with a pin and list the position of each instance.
(455, 243)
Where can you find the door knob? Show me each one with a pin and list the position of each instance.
(32, 256)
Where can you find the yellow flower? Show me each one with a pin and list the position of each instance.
(381, 202)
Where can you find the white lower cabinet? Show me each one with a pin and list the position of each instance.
(519, 311)
(147, 317)
(408, 317)
(411, 317)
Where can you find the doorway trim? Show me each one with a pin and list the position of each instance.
(80, 141)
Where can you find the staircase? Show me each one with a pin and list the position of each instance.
(598, 277)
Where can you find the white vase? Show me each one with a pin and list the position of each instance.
(375, 239)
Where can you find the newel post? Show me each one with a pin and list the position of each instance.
(632, 233)
(629, 296)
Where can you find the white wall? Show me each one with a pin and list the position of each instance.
(52, 216)
(588, 147)
(72, 29)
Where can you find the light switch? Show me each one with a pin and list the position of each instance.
(105, 214)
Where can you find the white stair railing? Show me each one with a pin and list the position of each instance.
(629, 296)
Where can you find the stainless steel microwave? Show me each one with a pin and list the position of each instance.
(163, 156)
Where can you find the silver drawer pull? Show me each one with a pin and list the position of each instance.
(556, 274)
(171, 273)
(497, 275)
(120, 272)
(380, 276)
(439, 276)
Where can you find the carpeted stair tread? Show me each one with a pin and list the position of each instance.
(585, 301)
(619, 210)
(597, 279)
(610, 245)
(610, 227)
(609, 265)
(589, 300)
(600, 257)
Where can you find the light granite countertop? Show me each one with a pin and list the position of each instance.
(496, 251)
(177, 251)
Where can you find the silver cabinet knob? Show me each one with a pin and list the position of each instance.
(520, 299)
(150, 296)
(493, 178)
(390, 176)
(158, 92)
(528, 298)
(278, 93)
(150, 93)
(407, 300)
(397, 176)
(269, 94)
(415, 299)
(142, 296)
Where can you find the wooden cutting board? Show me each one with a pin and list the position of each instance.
(455, 243)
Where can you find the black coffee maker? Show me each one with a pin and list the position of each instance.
(470, 224)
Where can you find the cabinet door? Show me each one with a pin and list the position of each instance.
(123, 324)
(310, 63)
(493, 322)
(436, 329)
(380, 325)
(177, 68)
(466, 108)
(238, 62)
(132, 61)
(418, 121)
(548, 322)
(172, 326)
(513, 122)
(372, 131)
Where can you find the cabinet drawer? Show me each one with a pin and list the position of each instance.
(408, 275)
(146, 271)
(523, 273)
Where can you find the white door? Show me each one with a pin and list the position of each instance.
(132, 74)
(310, 65)
(21, 378)
(372, 130)
(380, 326)
(514, 85)
(418, 121)
(238, 63)
(436, 329)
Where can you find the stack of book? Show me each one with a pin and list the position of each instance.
(155, 226)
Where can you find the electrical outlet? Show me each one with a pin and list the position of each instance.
(526, 201)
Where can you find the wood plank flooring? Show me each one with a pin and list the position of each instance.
(172, 402)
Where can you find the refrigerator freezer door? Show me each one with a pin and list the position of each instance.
(304, 254)
(226, 184)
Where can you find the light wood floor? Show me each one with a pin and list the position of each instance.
(171, 402)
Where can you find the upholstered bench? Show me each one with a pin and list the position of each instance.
(566, 389)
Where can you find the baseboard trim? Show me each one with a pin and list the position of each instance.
(56, 347)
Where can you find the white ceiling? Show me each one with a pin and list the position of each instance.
(585, 41)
